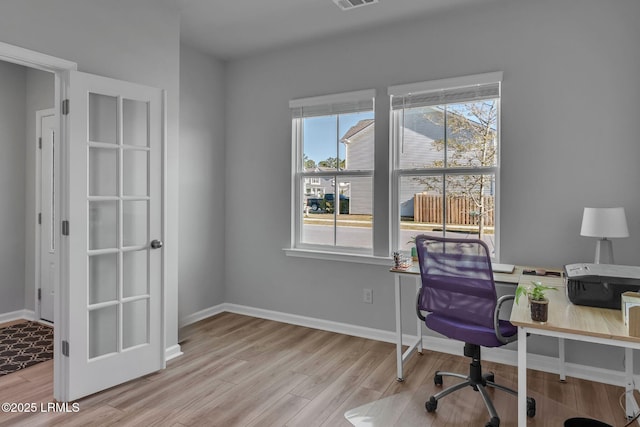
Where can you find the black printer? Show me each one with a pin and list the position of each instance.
(600, 285)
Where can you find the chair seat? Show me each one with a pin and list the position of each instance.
(469, 332)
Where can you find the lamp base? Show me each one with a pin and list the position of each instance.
(604, 252)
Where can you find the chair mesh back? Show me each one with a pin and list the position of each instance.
(457, 280)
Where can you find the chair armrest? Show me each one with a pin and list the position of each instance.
(496, 319)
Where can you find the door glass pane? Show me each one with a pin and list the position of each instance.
(134, 217)
(134, 272)
(103, 221)
(135, 124)
(103, 282)
(135, 319)
(103, 331)
(103, 118)
(103, 167)
(134, 174)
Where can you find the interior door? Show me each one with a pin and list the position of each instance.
(115, 318)
(49, 232)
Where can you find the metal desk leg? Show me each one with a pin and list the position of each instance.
(522, 376)
(561, 358)
(631, 406)
(398, 328)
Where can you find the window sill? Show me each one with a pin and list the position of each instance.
(338, 256)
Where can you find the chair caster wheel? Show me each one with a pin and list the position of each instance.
(531, 407)
(431, 404)
(494, 422)
(437, 380)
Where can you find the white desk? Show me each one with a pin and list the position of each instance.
(566, 320)
(416, 345)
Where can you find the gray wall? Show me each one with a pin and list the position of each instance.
(135, 41)
(12, 186)
(202, 191)
(570, 114)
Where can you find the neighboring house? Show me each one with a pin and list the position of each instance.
(316, 187)
(420, 130)
(358, 141)
(319, 186)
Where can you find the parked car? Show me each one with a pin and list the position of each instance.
(326, 204)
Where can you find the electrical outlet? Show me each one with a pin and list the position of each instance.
(367, 296)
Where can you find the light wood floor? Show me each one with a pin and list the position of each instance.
(242, 371)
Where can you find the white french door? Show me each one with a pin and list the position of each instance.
(113, 328)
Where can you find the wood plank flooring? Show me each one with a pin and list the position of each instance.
(242, 371)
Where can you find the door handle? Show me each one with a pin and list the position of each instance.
(156, 244)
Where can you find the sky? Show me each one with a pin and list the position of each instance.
(320, 134)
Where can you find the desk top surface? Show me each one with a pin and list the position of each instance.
(570, 318)
(514, 278)
(563, 315)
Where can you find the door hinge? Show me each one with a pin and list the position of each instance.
(39, 294)
(65, 348)
(40, 143)
(65, 228)
(40, 218)
(65, 107)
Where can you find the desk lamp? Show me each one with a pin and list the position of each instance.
(604, 223)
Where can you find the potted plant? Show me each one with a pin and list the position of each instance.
(537, 299)
(414, 250)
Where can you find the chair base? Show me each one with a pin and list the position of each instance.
(479, 383)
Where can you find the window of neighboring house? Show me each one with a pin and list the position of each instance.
(332, 177)
(445, 144)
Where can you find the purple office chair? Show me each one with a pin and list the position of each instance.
(459, 296)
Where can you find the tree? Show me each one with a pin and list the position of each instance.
(470, 142)
(309, 164)
(331, 162)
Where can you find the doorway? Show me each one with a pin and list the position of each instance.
(25, 91)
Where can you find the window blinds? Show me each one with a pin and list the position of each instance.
(342, 103)
(448, 91)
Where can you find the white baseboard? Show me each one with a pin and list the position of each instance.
(311, 322)
(172, 352)
(442, 345)
(17, 315)
(201, 315)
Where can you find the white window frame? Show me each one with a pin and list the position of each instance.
(439, 88)
(334, 104)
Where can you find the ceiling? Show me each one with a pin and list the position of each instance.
(233, 29)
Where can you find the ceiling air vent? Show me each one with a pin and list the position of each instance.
(350, 4)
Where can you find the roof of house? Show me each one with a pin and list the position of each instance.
(357, 128)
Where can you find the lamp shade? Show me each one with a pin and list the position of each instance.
(604, 223)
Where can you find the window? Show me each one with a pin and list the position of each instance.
(445, 143)
(332, 177)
